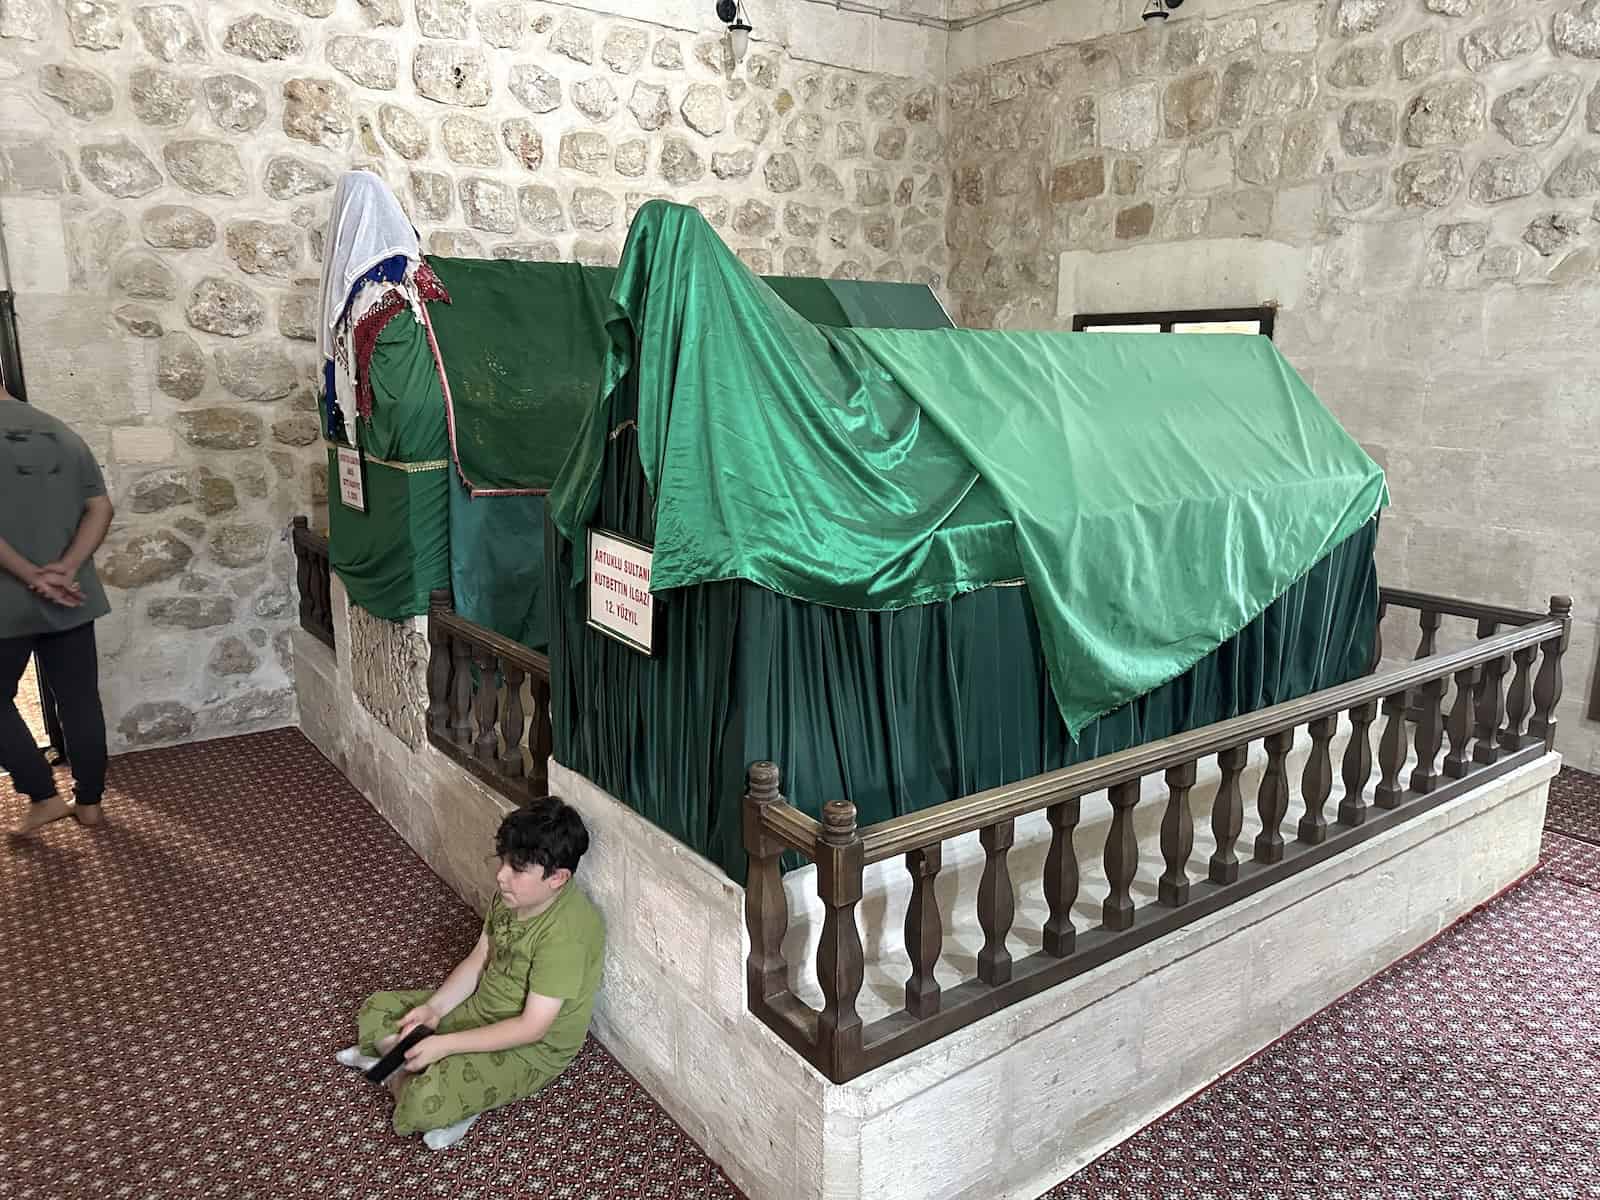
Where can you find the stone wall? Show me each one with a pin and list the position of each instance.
(165, 172)
(1413, 181)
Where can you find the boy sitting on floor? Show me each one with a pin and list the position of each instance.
(514, 1012)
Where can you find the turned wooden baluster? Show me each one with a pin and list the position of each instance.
(1547, 689)
(841, 967)
(322, 584)
(1377, 638)
(1392, 753)
(1430, 735)
(1227, 815)
(539, 734)
(1061, 878)
(1122, 857)
(997, 903)
(924, 931)
(438, 663)
(1519, 701)
(1429, 643)
(1177, 837)
(1316, 781)
(485, 704)
(511, 718)
(1458, 762)
(460, 692)
(1272, 798)
(1491, 704)
(302, 575)
(1357, 764)
(766, 909)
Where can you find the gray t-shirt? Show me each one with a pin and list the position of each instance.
(47, 475)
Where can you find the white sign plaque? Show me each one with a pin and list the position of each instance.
(620, 603)
(351, 492)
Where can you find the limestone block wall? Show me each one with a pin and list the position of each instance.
(1413, 181)
(165, 175)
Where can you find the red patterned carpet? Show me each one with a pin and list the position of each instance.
(178, 981)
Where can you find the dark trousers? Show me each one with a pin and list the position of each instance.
(73, 668)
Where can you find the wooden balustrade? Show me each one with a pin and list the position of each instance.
(477, 681)
(312, 576)
(1485, 737)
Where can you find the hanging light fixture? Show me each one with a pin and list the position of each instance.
(731, 14)
(1159, 10)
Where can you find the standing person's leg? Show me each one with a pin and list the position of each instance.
(19, 747)
(73, 665)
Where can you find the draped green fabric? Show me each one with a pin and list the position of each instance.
(391, 556)
(1158, 493)
(893, 710)
(407, 402)
(497, 569)
(522, 345)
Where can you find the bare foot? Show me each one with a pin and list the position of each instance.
(41, 814)
(88, 815)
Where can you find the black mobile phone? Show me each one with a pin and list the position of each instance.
(392, 1061)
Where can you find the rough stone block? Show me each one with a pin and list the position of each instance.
(236, 104)
(368, 61)
(452, 74)
(263, 38)
(119, 168)
(83, 93)
(205, 166)
(169, 33)
(161, 97)
(1500, 41)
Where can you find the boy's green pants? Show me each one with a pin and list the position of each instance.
(461, 1085)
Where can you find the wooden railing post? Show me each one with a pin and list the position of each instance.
(1547, 689)
(1316, 782)
(1491, 709)
(766, 909)
(1272, 798)
(1392, 753)
(1177, 837)
(1430, 736)
(1458, 762)
(302, 574)
(924, 931)
(438, 664)
(997, 903)
(460, 692)
(1122, 857)
(1429, 644)
(1227, 814)
(1519, 700)
(1357, 764)
(1061, 878)
(841, 967)
(1377, 638)
(540, 735)
(511, 718)
(486, 705)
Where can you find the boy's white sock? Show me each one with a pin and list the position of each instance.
(351, 1056)
(441, 1139)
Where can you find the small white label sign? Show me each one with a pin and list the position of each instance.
(620, 603)
(351, 493)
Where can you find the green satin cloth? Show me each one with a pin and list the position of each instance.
(892, 710)
(1155, 493)
(391, 556)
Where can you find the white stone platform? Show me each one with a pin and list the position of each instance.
(1008, 1106)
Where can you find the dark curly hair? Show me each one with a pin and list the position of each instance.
(544, 831)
